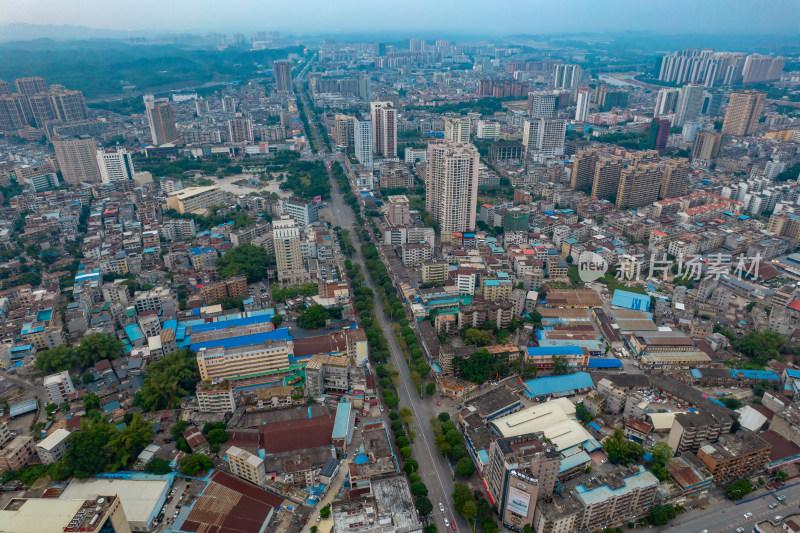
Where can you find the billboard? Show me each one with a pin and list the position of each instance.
(518, 501)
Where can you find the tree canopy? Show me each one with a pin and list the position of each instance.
(168, 381)
(481, 366)
(194, 463)
(315, 316)
(252, 262)
(93, 348)
(621, 450)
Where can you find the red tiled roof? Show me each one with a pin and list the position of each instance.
(297, 434)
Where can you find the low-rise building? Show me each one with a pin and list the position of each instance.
(17, 453)
(53, 448)
(215, 397)
(59, 387)
(737, 457)
(246, 466)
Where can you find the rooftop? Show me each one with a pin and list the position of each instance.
(141, 499)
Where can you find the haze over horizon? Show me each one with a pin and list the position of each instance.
(467, 16)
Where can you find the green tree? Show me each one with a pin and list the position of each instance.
(405, 452)
(88, 450)
(423, 505)
(410, 466)
(194, 463)
(419, 489)
(315, 316)
(247, 260)
(662, 454)
(57, 359)
(465, 467)
(125, 445)
(430, 388)
(96, 347)
(582, 413)
(561, 366)
(477, 337)
(91, 401)
(157, 466)
(168, 381)
(178, 428)
(444, 416)
(325, 512)
(621, 450)
(469, 510)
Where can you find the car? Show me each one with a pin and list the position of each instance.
(441, 506)
(604, 461)
(454, 525)
(773, 505)
(319, 518)
(704, 531)
(381, 408)
(739, 530)
(781, 498)
(446, 522)
(748, 515)
(777, 519)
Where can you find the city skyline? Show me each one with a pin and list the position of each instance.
(711, 17)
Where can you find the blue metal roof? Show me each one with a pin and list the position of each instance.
(754, 374)
(696, 373)
(134, 332)
(22, 408)
(630, 300)
(342, 422)
(281, 334)
(554, 350)
(600, 362)
(559, 384)
(233, 323)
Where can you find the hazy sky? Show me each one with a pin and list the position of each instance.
(492, 17)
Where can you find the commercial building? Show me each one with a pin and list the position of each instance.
(520, 471)
(744, 111)
(77, 159)
(451, 194)
(115, 165)
(221, 363)
(34, 515)
(616, 498)
(59, 387)
(555, 419)
(161, 118)
(141, 500)
(17, 453)
(215, 397)
(246, 466)
(283, 76)
(735, 457)
(53, 447)
(383, 116)
(195, 199)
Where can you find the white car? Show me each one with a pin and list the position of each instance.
(381, 408)
(441, 506)
(748, 515)
(446, 522)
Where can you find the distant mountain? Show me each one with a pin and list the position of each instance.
(27, 32)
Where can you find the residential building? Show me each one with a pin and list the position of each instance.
(691, 430)
(363, 141)
(246, 466)
(52, 449)
(383, 116)
(59, 387)
(544, 137)
(639, 185)
(583, 169)
(283, 76)
(397, 211)
(616, 498)
(195, 199)
(607, 174)
(675, 180)
(689, 104)
(451, 194)
(17, 453)
(303, 212)
(215, 397)
(240, 129)
(457, 129)
(77, 159)
(5, 433)
(583, 100)
(666, 101)
(327, 373)
(161, 118)
(735, 457)
(567, 76)
(286, 239)
(344, 130)
(744, 111)
(115, 165)
(220, 363)
(542, 104)
(706, 146)
(760, 68)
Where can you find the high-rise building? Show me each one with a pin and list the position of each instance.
(77, 159)
(456, 129)
(639, 185)
(544, 137)
(706, 146)
(13, 112)
(240, 129)
(228, 104)
(675, 179)
(344, 131)
(286, 238)
(583, 167)
(161, 117)
(414, 45)
(5, 87)
(195, 198)
(744, 110)
(584, 97)
(202, 107)
(364, 87)
(712, 103)
(542, 104)
(362, 141)
(451, 189)
(659, 133)
(606, 177)
(27, 87)
(42, 109)
(384, 128)
(665, 101)
(567, 76)
(69, 106)
(758, 68)
(689, 104)
(283, 76)
(115, 165)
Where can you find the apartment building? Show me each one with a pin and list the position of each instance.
(17, 453)
(397, 210)
(735, 457)
(59, 387)
(215, 397)
(452, 186)
(691, 430)
(246, 466)
(327, 372)
(77, 159)
(52, 449)
(616, 498)
(744, 111)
